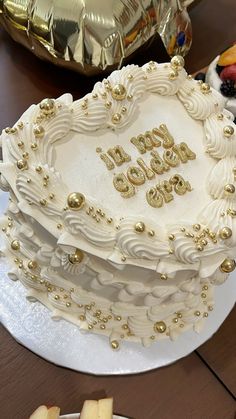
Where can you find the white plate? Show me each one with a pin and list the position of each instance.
(64, 344)
(77, 415)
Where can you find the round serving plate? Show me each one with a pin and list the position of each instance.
(64, 344)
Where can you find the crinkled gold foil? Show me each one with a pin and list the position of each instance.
(94, 36)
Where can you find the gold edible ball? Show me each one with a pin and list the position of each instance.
(47, 106)
(76, 257)
(225, 233)
(205, 87)
(118, 92)
(139, 227)
(228, 265)
(32, 264)
(116, 118)
(228, 131)
(38, 131)
(177, 61)
(22, 164)
(229, 188)
(115, 344)
(15, 245)
(76, 201)
(160, 327)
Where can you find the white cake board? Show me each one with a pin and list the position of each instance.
(64, 344)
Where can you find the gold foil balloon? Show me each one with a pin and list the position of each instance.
(95, 36)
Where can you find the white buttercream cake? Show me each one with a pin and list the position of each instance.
(121, 215)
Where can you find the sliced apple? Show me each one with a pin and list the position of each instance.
(90, 410)
(105, 408)
(44, 412)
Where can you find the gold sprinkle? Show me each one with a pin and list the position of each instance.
(210, 308)
(205, 314)
(118, 318)
(82, 317)
(15, 245)
(115, 344)
(59, 226)
(56, 297)
(164, 277)
(139, 227)
(197, 313)
(151, 233)
(68, 304)
(203, 295)
(175, 320)
(102, 326)
(171, 237)
(90, 326)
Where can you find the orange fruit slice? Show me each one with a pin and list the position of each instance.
(228, 57)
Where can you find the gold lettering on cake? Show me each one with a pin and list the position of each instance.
(170, 158)
(108, 162)
(164, 187)
(183, 152)
(157, 164)
(180, 185)
(135, 175)
(123, 186)
(144, 142)
(161, 193)
(119, 155)
(148, 172)
(154, 198)
(164, 134)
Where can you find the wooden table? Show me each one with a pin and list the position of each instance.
(200, 386)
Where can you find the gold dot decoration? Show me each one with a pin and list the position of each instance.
(38, 131)
(118, 92)
(164, 277)
(225, 233)
(116, 118)
(160, 327)
(75, 201)
(47, 106)
(139, 227)
(32, 264)
(229, 189)
(228, 265)
(76, 257)
(15, 245)
(177, 62)
(115, 345)
(228, 131)
(22, 164)
(205, 88)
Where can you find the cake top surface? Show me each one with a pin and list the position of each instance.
(131, 172)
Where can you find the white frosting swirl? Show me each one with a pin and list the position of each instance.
(158, 79)
(221, 175)
(198, 104)
(100, 235)
(217, 144)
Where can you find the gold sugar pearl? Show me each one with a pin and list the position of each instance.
(68, 304)
(38, 131)
(119, 318)
(205, 88)
(43, 202)
(118, 92)
(139, 227)
(59, 226)
(196, 227)
(102, 326)
(205, 314)
(76, 257)
(220, 116)
(75, 201)
(123, 258)
(229, 189)
(175, 320)
(228, 131)
(38, 169)
(177, 62)
(22, 164)
(47, 106)
(210, 308)
(164, 277)
(203, 295)
(225, 233)
(160, 327)
(171, 237)
(197, 313)
(116, 118)
(205, 287)
(20, 144)
(115, 345)
(82, 317)
(15, 245)
(151, 233)
(32, 264)
(90, 326)
(56, 297)
(228, 265)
